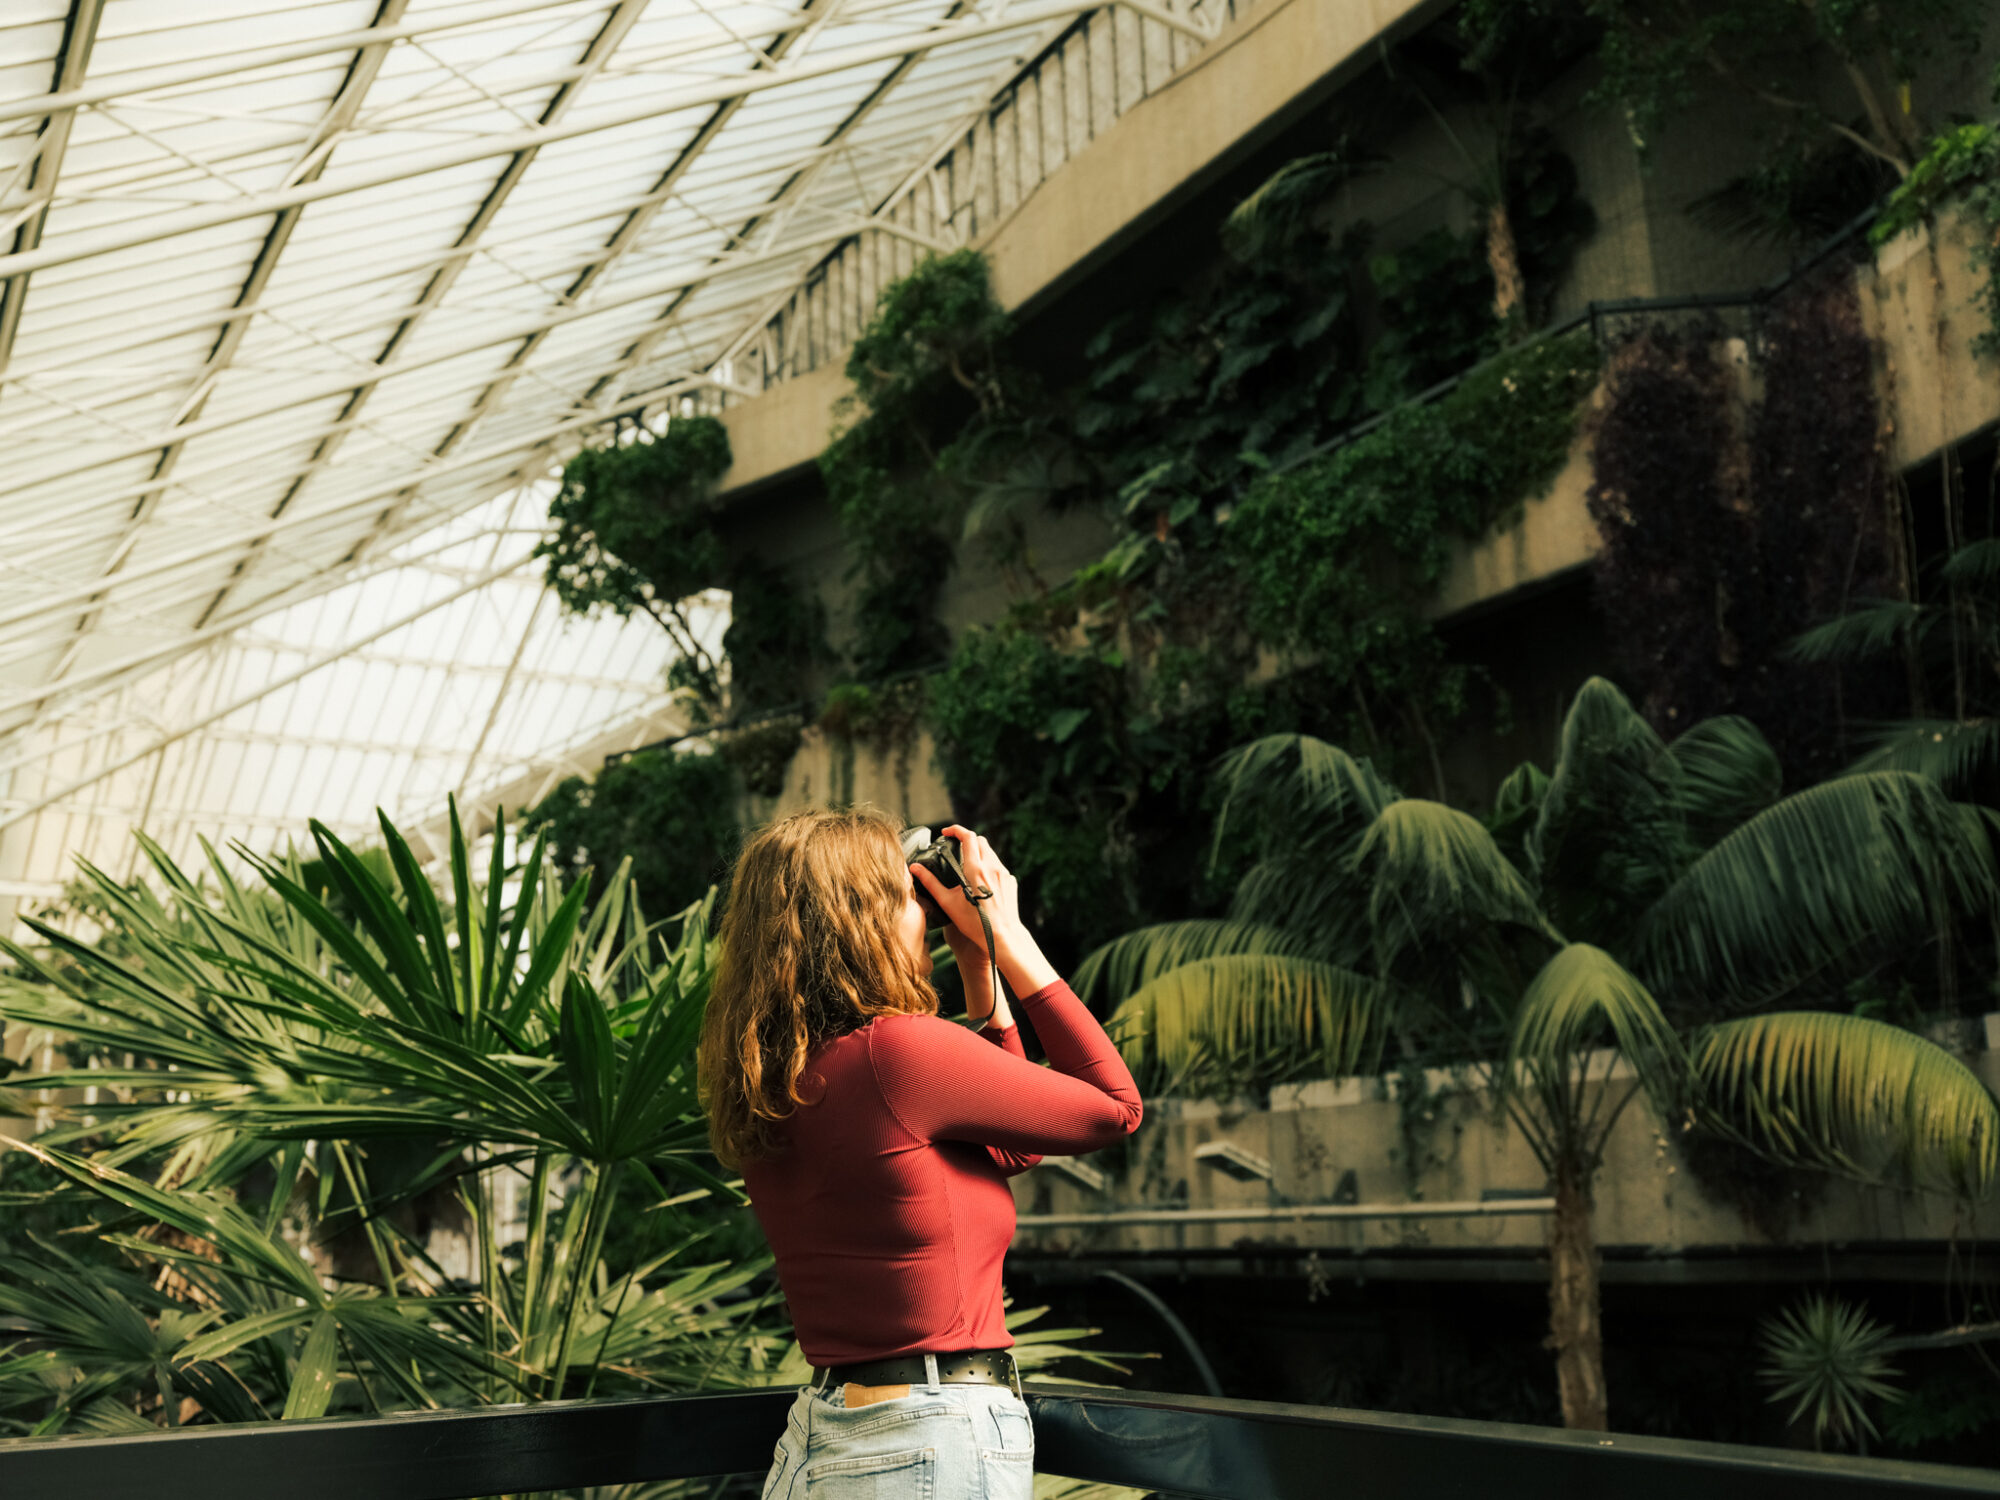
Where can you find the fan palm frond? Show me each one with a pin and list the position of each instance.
(1839, 871)
(1434, 874)
(1261, 1015)
(1852, 1094)
(1952, 752)
(1867, 632)
(1728, 772)
(1130, 962)
(1578, 997)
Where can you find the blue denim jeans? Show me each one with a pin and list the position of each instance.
(944, 1442)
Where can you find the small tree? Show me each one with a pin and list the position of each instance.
(634, 532)
(1631, 904)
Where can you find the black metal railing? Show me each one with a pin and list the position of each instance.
(1188, 1446)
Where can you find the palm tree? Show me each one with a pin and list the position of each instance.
(1646, 901)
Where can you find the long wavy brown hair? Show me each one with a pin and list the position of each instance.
(810, 951)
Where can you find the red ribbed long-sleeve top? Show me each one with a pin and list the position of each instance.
(888, 1207)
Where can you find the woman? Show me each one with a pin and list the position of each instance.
(876, 1137)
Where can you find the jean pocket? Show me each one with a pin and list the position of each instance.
(911, 1475)
(1009, 1475)
(777, 1484)
(1015, 1432)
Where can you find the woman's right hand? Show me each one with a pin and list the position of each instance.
(982, 868)
(1019, 956)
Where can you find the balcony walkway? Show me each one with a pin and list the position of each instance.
(1188, 1446)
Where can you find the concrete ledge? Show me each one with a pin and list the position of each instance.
(1920, 303)
(1249, 81)
(1552, 535)
(1256, 77)
(781, 432)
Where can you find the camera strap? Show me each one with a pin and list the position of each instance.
(978, 895)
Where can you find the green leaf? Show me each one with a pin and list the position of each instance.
(1865, 633)
(1127, 963)
(1728, 773)
(1065, 722)
(1262, 1015)
(1815, 887)
(1853, 1094)
(1582, 998)
(1435, 875)
(1954, 753)
(313, 1376)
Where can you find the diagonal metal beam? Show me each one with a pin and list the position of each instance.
(108, 676)
(105, 772)
(345, 384)
(945, 142)
(230, 64)
(519, 452)
(341, 110)
(812, 14)
(614, 30)
(158, 227)
(790, 192)
(79, 36)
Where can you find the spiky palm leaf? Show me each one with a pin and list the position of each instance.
(1829, 1358)
(1855, 866)
(1852, 1094)
(357, 1006)
(1256, 1015)
(1284, 203)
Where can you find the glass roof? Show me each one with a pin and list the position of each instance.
(287, 287)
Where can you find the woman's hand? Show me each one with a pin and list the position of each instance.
(1019, 957)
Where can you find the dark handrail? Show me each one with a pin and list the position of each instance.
(1209, 1447)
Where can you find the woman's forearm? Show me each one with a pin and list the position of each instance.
(1022, 963)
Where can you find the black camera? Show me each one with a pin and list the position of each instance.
(939, 855)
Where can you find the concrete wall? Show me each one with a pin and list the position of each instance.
(1921, 306)
(1449, 1146)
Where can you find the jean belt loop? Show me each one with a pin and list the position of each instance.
(931, 1373)
(1014, 1375)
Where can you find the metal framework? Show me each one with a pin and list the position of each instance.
(285, 289)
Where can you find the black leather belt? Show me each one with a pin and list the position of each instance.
(958, 1367)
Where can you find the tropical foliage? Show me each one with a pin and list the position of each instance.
(264, 1080)
(1656, 904)
(268, 1090)
(1941, 643)
(1828, 1359)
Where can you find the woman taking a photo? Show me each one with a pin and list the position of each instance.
(875, 1139)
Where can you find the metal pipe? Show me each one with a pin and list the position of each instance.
(1499, 1209)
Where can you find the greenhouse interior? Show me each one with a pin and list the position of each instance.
(1361, 636)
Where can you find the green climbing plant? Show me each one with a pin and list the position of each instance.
(1962, 166)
